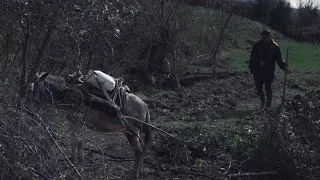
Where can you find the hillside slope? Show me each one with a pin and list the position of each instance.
(241, 32)
(239, 36)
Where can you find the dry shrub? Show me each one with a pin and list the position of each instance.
(289, 143)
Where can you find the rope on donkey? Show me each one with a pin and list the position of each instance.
(123, 119)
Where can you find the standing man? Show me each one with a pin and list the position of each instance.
(264, 55)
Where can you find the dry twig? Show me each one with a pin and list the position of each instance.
(252, 174)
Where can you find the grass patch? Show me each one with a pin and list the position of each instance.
(302, 56)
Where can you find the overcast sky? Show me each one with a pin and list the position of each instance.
(294, 2)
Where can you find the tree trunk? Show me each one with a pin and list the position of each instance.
(90, 55)
(25, 53)
(2, 52)
(177, 81)
(175, 72)
(14, 58)
(214, 66)
(216, 46)
(8, 51)
(36, 63)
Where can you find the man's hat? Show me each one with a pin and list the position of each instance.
(266, 32)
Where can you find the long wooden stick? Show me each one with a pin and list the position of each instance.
(123, 118)
(285, 81)
(153, 127)
(102, 101)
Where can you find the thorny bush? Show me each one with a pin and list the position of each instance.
(26, 149)
(289, 143)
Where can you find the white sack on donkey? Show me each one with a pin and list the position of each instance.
(107, 82)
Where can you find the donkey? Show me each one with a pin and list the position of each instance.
(50, 89)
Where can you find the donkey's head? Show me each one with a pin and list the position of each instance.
(34, 88)
(46, 88)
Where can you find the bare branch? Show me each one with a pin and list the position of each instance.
(45, 43)
(25, 52)
(252, 174)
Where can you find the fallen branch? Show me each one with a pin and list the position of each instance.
(114, 158)
(122, 159)
(252, 174)
(191, 173)
(117, 158)
(177, 154)
(158, 129)
(189, 79)
(38, 173)
(230, 164)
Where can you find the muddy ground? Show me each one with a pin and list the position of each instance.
(220, 120)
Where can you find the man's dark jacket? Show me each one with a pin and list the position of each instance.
(269, 53)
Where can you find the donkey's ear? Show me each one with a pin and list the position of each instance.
(44, 76)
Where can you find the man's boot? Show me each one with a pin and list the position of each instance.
(262, 99)
(269, 100)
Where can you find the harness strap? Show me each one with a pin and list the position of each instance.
(117, 93)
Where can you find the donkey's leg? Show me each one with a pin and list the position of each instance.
(138, 152)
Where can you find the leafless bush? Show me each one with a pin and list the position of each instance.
(26, 148)
(27, 140)
(289, 143)
(214, 32)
